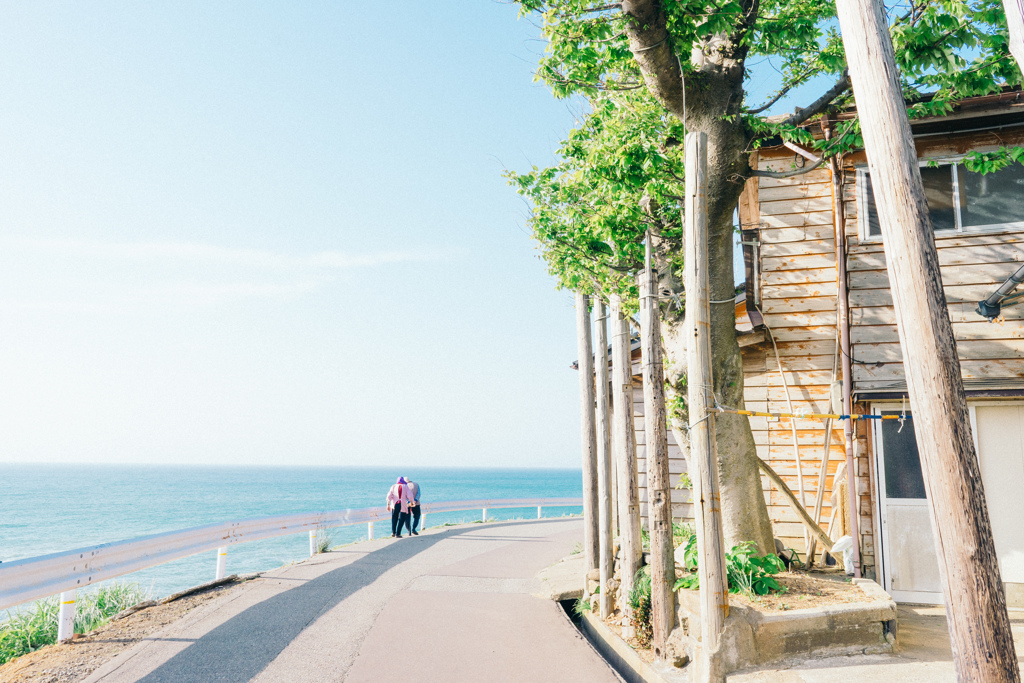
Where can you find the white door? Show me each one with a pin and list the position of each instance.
(1000, 432)
(910, 570)
(909, 565)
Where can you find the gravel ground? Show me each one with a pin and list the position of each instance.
(74, 661)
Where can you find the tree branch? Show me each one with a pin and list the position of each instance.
(649, 42)
(819, 105)
(786, 174)
(782, 93)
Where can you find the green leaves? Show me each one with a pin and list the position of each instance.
(990, 162)
(586, 211)
(748, 572)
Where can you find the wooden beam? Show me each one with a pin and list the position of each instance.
(714, 592)
(659, 489)
(625, 457)
(979, 626)
(819, 498)
(605, 482)
(588, 435)
(799, 509)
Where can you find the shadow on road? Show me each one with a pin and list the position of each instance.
(243, 646)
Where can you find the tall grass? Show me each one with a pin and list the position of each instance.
(32, 628)
(640, 601)
(324, 539)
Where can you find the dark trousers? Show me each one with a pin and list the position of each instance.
(398, 520)
(415, 519)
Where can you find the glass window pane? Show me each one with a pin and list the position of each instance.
(874, 227)
(938, 190)
(903, 477)
(993, 198)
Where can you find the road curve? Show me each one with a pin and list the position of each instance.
(452, 604)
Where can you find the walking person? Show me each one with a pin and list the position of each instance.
(414, 506)
(398, 504)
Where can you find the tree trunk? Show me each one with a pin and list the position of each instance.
(625, 457)
(711, 104)
(588, 435)
(659, 490)
(979, 626)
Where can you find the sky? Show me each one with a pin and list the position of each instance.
(278, 234)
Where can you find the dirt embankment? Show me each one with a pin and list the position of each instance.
(74, 661)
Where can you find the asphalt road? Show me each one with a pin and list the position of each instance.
(452, 604)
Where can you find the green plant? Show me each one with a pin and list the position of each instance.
(33, 627)
(577, 549)
(681, 533)
(748, 572)
(645, 539)
(581, 607)
(684, 482)
(640, 602)
(323, 540)
(751, 573)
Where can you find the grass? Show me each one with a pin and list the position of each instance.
(581, 607)
(36, 626)
(577, 549)
(323, 540)
(640, 602)
(680, 535)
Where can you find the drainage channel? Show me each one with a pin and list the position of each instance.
(626, 664)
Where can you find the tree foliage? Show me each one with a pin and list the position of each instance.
(619, 172)
(588, 213)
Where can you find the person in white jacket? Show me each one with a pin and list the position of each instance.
(398, 504)
(414, 507)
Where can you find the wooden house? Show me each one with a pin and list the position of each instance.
(792, 355)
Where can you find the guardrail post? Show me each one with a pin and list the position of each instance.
(66, 617)
(369, 531)
(423, 521)
(485, 514)
(538, 512)
(312, 542)
(222, 563)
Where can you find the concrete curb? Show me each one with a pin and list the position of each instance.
(623, 658)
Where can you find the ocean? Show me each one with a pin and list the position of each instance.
(51, 508)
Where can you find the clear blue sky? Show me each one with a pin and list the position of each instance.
(277, 233)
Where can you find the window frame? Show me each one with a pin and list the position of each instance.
(953, 160)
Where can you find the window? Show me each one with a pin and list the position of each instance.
(903, 478)
(958, 199)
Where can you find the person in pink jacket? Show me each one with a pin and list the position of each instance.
(398, 503)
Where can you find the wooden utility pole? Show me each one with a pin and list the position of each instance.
(1015, 22)
(625, 457)
(588, 436)
(979, 627)
(659, 491)
(707, 509)
(604, 462)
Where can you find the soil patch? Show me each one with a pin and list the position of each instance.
(805, 590)
(74, 661)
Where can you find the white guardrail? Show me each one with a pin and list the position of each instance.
(32, 578)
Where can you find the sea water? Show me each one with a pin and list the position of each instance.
(52, 508)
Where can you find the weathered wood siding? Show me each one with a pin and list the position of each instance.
(799, 290)
(798, 300)
(973, 264)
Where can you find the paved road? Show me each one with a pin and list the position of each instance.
(452, 604)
